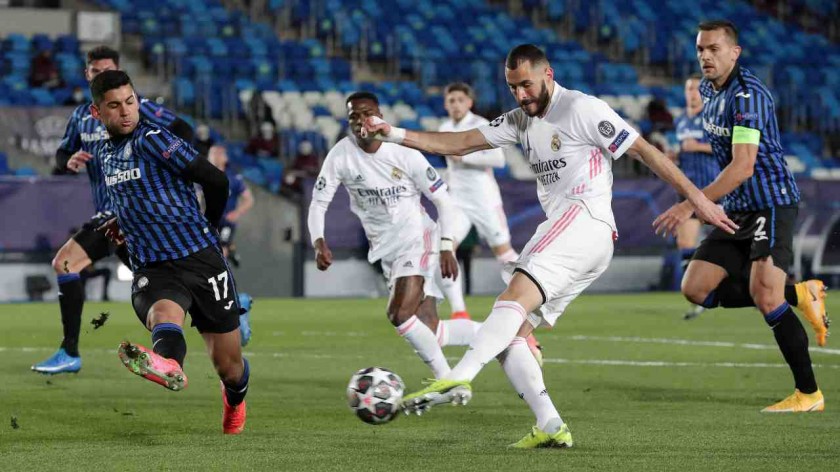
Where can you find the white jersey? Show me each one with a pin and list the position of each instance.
(466, 178)
(384, 190)
(567, 150)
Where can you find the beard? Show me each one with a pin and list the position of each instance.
(541, 101)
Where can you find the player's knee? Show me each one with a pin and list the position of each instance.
(694, 292)
(61, 262)
(766, 301)
(229, 369)
(399, 314)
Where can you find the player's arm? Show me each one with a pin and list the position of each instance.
(426, 178)
(244, 201)
(215, 186)
(69, 156)
(488, 158)
(442, 143)
(693, 145)
(322, 195)
(736, 172)
(704, 207)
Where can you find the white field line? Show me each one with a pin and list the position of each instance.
(601, 362)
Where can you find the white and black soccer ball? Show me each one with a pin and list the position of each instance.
(374, 394)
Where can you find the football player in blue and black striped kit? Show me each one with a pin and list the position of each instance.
(77, 150)
(758, 192)
(178, 263)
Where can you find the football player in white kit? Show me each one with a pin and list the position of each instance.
(570, 139)
(384, 181)
(474, 190)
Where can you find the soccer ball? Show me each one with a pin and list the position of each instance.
(374, 394)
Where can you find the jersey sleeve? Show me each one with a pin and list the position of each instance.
(72, 141)
(750, 112)
(599, 125)
(503, 131)
(328, 179)
(424, 176)
(237, 186)
(155, 113)
(167, 149)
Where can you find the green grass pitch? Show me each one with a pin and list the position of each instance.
(640, 388)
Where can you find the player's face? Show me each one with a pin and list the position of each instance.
(529, 86)
(717, 54)
(99, 66)
(118, 110)
(357, 112)
(693, 100)
(218, 157)
(457, 104)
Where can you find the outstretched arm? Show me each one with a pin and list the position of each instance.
(447, 144)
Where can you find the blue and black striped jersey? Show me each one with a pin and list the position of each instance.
(745, 101)
(155, 203)
(700, 167)
(85, 133)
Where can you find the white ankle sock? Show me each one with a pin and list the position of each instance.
(457, 332)
(425, 344)
(525, 375)
(453, 290)
(493, 337)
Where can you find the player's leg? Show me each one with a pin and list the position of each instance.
(526, 377)
(234, 372)
(453, 332)
(85, 247)
(407, 294)
(491, 223)
(161, 305)
(453, 289)
(687, 234)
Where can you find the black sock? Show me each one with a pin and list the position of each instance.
(71, 300)
(168, 341)
(235, 394)
(790, 295)
(793, 342)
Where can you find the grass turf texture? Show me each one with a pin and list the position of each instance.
(695, 407)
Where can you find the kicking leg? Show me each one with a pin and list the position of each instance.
(164, 362)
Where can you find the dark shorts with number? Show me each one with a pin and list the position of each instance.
(94, 242)
(760, 234)
(201, 283)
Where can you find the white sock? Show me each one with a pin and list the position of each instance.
(454, 292)
(525, 375)
(507, 256)
(457, 332)
(496, 333)
(425, 344)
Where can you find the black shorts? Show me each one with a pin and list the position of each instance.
(201, 283)
(94, 242)
(762, 233)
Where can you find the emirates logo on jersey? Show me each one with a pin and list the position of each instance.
(555, 142)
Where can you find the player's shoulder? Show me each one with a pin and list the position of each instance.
(576, 101)
(446, 125)
(478, 120)
(516, 118)
(402, 153)
(341, 148)
(748, 85)
(81, 112)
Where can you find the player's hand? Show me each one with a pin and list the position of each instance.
(448, 265)
(375, 126)
(78, 160)
(713, 214)
(668, 222)
(232, 216)
(323, 255)
(112, 231)
(456, 159)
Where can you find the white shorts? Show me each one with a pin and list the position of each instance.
(486, 213)
(423, 261)
(565, 255)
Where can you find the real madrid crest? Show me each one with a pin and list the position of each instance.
(555, 142)
(396, 173)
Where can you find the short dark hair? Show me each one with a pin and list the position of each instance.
(523, 53)
(362, 96)
(108, 80)
(460, 87)
(727, 26)
(103, 52)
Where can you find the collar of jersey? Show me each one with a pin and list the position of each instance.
(555, 97)
(706, 88)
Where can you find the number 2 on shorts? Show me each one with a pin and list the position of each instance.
(223, 280)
